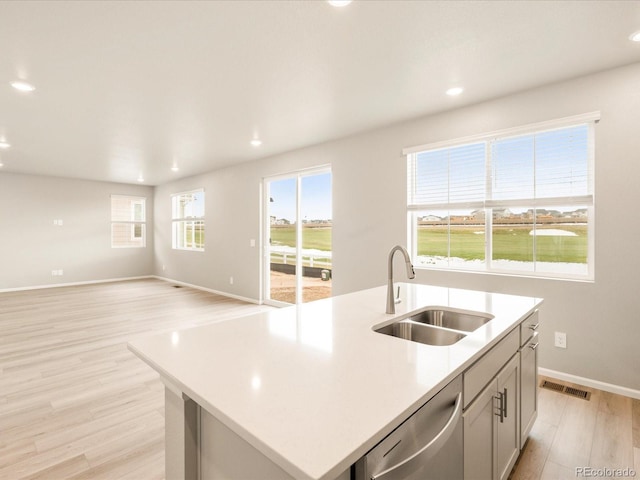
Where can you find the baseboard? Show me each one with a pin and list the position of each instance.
(210, 290)
(73, 284)
(588, 382)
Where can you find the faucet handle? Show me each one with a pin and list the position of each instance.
(397, 300)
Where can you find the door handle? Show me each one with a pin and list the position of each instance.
(431, 448)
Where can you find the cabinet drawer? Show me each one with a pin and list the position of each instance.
(484, 370)
(528, 326)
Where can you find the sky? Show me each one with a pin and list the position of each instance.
(315, 198)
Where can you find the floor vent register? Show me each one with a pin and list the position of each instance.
(558, 387)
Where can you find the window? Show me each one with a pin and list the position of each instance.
(518, 201)
(188, 220)
(128, 227)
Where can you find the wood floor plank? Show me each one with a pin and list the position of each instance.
(125, 446)
(554, 405)
(531, 463)
(613, 437)
(61, 470)
(574, 439)
(555, 471)
(16, 451)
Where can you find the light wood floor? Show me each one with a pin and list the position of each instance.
(76, 404)
(601, 433)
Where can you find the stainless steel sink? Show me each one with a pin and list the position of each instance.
(467, 322)
(421, 333)
(436, 326)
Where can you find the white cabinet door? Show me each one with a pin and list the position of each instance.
(528, 387)
(491, 433)
(479, 424)
(508, 422)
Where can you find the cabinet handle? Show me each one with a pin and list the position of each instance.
(504, 403)
(500, 413)
(534, 327)
(533, 346)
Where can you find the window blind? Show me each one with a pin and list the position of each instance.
(544, 167)
(454, 175)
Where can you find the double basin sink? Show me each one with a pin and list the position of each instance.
(436, 326)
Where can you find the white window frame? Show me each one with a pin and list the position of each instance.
(589, 119)
(176, 221)
(140, 202)
(132, 222)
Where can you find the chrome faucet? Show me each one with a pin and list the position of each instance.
(391, 302)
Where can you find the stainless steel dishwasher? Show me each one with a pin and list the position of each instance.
(427, 446)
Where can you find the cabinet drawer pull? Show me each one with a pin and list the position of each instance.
(534, 327)
(533, 346)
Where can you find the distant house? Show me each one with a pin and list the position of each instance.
(502, 213)
(478, 214)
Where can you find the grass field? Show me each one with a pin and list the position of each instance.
(510, 242)
(318, 238)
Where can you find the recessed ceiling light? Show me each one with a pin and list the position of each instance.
(635, 36)
(174, 168)
(4, 144)
(339, 3)
(256, 143)
(452, 92)
(140, 179)
(23, 86)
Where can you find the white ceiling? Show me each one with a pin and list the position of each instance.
(128, 88)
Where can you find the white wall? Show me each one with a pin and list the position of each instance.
(31, 245)
(369, 198)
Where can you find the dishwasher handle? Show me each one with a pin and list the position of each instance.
(431, 448)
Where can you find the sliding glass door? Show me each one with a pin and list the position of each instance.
(298, 237)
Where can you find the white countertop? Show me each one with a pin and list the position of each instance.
(313, 387)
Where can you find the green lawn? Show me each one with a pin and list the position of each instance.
(509, 243)
(312, 237)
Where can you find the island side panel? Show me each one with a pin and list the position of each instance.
(181, 436)
(225, 455)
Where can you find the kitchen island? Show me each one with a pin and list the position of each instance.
(307, 390)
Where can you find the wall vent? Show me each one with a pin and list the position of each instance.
(572, 391)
